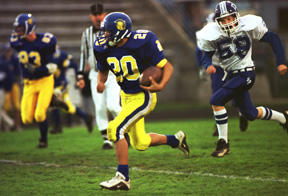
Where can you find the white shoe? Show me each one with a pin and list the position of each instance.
(181, 136)
(118, 182)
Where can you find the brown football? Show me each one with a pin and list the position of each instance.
(153, 71)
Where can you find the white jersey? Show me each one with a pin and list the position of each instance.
(233, 52)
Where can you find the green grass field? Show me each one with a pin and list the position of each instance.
(74, 163)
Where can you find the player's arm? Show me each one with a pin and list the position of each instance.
(102, 78)
(167, 73)
(278, 49)
(83, 61)
(207, 62)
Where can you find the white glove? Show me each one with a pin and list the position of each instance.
(52, 68)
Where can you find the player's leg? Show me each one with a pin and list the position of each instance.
(3, 115)
(100, 112)
(45, 88)
(72, 109)
(28, 102)
(266, 113)
(134, 107)
(243, 122)
(56, 121)
(217, 81)
(16, 103)
(112, 95)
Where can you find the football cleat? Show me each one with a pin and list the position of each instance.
(285, 125)
(89, 123)
(118, 182)
(181, 137)
(42, 144)
(243, 123)
(107, 145)
(222, 148)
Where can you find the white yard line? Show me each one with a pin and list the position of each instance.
(247, 178)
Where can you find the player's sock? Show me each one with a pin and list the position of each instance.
(43, 126)
(172, 141)
(221, 118)
(124, 169)
(80, 113)
(56, 116)
(268, 114)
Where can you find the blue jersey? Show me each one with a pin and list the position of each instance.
(13, 65)
(5, 77)
(35, 54)
(142, 50)
(63, 61)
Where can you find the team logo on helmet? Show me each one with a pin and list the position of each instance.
(120, 24)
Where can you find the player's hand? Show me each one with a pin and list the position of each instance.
(282, 69)
(154, 87)
(52, 68)
(100, 87)
(202, 74)
(211, 70)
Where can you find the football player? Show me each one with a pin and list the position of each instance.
(12, 98)
(65, 61)
(127, 53)
(6, 82)
(230, 39)
(35, 53)
(216, 79)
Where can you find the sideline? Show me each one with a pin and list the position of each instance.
(247, 178)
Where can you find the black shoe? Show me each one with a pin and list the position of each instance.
(56, 102)
(42, 144)
(285, 125)
(89, 123)
(107, 146)
(215, 133)
(222, 148)
(243, 123)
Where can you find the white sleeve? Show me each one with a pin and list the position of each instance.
(205, 45)
(260, 29)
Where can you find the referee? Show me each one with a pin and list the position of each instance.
(110, 98)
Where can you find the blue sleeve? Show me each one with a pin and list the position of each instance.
(153, 50)
(199, 57)
(277, 46)
(101, 61)
(207, 58)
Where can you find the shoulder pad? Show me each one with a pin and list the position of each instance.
(139, 37)
(250, 22)
(47, 38)
(209, 32)
(15, 41)
(101, 45)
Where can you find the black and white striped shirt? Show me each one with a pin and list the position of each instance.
(87, 54)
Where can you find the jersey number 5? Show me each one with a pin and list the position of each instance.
(242, 44)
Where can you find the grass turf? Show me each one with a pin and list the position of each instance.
(74, 163)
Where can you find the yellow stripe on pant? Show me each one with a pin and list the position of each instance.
(36, 99)
(131, 119)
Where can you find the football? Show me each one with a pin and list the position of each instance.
(153, 71)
